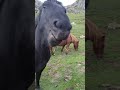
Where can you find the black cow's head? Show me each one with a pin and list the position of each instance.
(54, 22)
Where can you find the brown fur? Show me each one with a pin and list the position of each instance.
(96, 35)
(66, 43)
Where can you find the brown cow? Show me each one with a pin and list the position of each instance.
(96, 35)
(66, 43)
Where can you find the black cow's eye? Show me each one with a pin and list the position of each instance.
(44, 6)
(65, 11)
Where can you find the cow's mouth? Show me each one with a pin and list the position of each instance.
(55, 37)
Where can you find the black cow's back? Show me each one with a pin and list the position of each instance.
(16, 44)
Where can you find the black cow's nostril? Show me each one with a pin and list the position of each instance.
(55, 23)
(58, 24)
(62, 24)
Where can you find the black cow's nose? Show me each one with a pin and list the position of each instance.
(62, 24)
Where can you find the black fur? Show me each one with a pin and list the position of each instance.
(17, 54)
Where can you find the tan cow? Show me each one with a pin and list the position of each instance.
(66, 43)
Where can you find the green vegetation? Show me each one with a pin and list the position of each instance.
(67, 72)
(107, 70)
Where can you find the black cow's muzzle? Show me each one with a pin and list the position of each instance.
(63, 35)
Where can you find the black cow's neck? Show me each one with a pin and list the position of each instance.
(43, 38)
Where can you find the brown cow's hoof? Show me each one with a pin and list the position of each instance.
(53, 54)
(69, 50)
(99, 58)
(66, 53)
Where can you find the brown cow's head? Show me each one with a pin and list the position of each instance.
(76, 43)
(99, 47)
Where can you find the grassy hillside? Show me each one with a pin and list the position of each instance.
(67, 72)
(107, 70)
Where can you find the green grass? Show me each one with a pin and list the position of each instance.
(107, 70)
(67, 72)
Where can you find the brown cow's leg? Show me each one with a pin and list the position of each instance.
(51, 51)
(67, 48)
(62, 48)
(95, 49)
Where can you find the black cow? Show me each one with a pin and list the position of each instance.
(86, 4)
(53, 26)
(17, 53)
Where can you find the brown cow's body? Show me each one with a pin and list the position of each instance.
(96, 35)
(66, 43)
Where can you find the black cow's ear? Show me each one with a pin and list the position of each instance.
(58, 2)
(52, 0)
